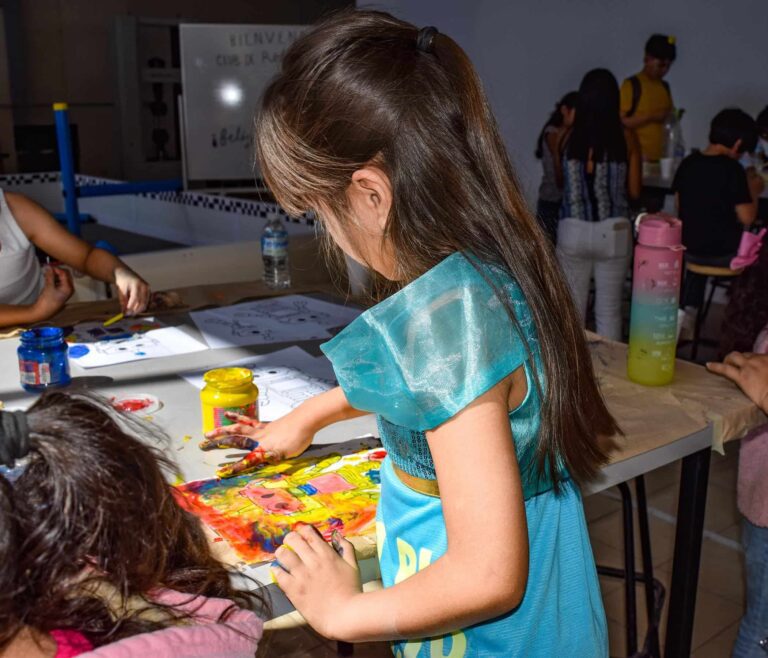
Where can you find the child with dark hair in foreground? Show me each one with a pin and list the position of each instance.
(96, 557)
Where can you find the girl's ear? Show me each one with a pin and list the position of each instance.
(370, 195)
(735, 149)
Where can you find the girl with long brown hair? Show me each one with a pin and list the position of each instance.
(96, 556)
(476, 366)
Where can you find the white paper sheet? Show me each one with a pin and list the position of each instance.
(285, 379)
(112, 348)
(275, 320)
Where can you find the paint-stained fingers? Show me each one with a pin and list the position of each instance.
(239, 441)
(253, 461)
(244, 420)
(288, 557)
(280, 576)
(312, 537)
(295, 541)
(344, 548)
(237, 428)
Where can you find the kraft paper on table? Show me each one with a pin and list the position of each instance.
(652, 416)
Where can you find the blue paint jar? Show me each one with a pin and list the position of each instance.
(43, 361)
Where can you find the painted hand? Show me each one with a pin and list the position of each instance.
(132, 290)
(269, 442)
(320, 583)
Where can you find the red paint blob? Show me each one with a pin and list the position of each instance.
(132, 404)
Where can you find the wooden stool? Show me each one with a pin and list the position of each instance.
(720, 277)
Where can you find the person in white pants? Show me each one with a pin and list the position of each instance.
(601, 249)
(602, 171)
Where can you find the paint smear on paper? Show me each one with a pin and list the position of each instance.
(254, 512)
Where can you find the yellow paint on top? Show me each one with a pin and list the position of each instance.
(228, 377)
(60, 106)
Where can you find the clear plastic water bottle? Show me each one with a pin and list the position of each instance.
(675, 143)
(274, 251)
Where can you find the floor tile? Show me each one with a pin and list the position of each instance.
(615, 607)
(610, 530)
(732, 532)
(722, 571)
(607, 556)
(723, 471)
(599, 505)
(719, 646)
(661, 478)
(721, 511)
(713, 615)
(617, 639)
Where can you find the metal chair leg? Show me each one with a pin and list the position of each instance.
(701, 317)
(652, 636)
(654, 590)
(629, 567)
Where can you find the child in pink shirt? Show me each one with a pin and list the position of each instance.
(750, 372)
(96, 558)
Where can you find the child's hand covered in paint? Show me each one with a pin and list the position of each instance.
(269, 443)
(322, 584)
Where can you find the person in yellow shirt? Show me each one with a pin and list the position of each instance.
(646, 100)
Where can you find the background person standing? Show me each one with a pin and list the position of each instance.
(646, 99)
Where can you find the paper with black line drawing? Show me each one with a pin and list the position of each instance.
(275, 320)
(285, 379)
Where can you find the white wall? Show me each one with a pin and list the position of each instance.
(530, 52)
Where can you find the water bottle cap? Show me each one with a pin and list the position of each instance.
(660, 230)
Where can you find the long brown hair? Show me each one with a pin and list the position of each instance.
(357, 91)
(90, 512)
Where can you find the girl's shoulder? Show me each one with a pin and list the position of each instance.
(417, 357)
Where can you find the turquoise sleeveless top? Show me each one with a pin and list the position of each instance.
(418, 358)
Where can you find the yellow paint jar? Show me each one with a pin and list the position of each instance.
(228, 389)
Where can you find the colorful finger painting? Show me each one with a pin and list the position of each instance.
(254, 512)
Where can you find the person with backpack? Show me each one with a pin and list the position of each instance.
(646, 99)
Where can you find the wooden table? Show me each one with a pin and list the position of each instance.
(685, 421)
(682, 421)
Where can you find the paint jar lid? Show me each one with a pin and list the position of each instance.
(227, 378)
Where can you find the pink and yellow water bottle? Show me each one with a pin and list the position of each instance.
(658, 265)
